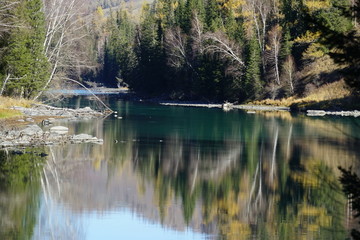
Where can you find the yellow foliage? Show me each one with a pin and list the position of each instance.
(306, 179)
(229, 205)
(175, 5)
(97, 164)
(319, 216)
(313, 5)
(159, 5)
(100, 11)
(232, 5)
(247, 14)
(236, 230)
(313, 51)
(308, 37)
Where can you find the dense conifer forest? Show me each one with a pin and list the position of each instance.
(210, 50)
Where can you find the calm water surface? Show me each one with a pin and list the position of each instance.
(184, 173)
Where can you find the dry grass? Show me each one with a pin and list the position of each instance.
(7, 102)
(8, 113)
(328, 93)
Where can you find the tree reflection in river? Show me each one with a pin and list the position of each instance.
(19, 192)
(228, 175)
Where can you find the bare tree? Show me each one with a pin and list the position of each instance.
(175, 43)
(260, 11)
(218, 43)
(273, 56)
(197, 34)
(64, 32)
(288, 72)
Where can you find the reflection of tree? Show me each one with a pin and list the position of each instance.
(55, 224)
(19, 193)
(351, 182)
(241, 177)
(268, 187)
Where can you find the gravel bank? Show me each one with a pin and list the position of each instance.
(27, 133)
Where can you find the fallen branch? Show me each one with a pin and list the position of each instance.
(91, 92)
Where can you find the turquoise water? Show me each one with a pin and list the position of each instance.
(184, 173)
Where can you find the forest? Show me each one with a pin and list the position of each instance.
(208, 50)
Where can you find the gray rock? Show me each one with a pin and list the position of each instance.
(87, 109)
(7, 144)
(22, 143)
(59, 130)
(31, 130)
(29, 120)
(21, 120)
(82, 137)
(51, 120)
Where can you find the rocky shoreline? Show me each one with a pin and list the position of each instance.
(225, 106)
(258, 108)
(26, 133)
(321, 113)
(49, 111)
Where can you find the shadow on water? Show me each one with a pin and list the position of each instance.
(225, 175)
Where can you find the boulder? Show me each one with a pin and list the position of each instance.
(59, 130)
(7, 144)
(31, 130)
(82, 137)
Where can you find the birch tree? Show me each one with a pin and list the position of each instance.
(218, 43)
(64, 31)
(260, 11)
(289, 72)
(175, 44)
(274, 50)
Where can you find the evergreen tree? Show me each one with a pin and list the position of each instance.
(150, 54)
(343, 38)
(25, 60)
(212, 17)
(252, 83)
(119, 58)
(191, 7)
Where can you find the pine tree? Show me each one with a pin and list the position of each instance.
(150, 55)
(25, 60)
(252, 84)
(119, 58)
(212, 17)
(192, 7)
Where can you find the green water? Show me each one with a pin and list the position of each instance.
(184, 173)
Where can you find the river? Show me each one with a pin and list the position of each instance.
(183, 173)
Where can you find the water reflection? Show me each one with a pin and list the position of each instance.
(19, 193)
(218, 175)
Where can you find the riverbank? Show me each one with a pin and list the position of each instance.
(225, 106)
(333, 99)
(268, 108)
(24, 129)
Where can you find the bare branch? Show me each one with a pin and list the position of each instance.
(219, 43)
(175, 43)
